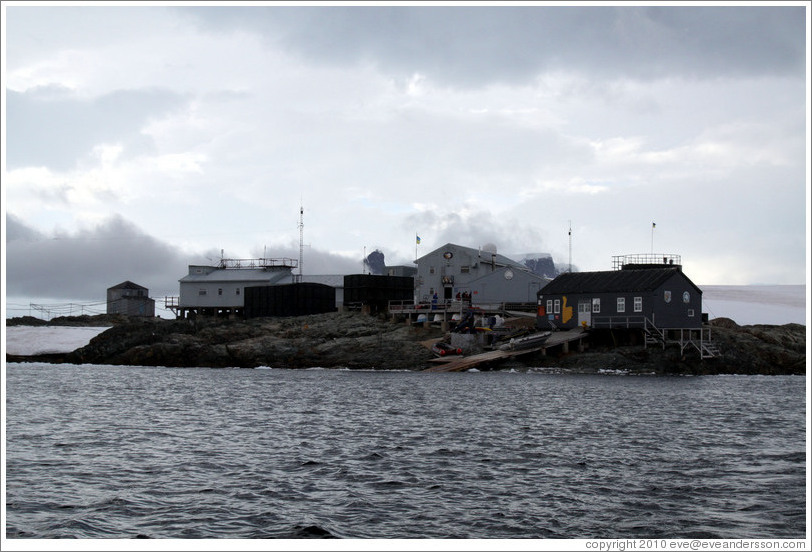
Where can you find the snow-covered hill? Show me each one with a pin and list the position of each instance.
(748, 305)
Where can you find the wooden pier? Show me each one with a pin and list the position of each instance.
(458, 364)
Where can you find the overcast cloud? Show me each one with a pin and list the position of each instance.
(143, 139)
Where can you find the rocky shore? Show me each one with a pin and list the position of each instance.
(359, 341)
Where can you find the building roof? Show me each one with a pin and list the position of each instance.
(127, 285)
(334, 280)
(646, 279)
(259, 275)
(484, 256)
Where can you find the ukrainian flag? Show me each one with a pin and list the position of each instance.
(417, 238)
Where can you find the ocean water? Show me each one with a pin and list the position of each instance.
(131, 452)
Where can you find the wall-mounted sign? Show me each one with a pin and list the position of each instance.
(686, 297)
(448, 255)
(667, 296)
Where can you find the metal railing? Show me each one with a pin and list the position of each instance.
(662, 259)
(258, 263)
(635, 321)
(408, 306)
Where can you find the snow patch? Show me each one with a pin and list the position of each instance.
(46, 340)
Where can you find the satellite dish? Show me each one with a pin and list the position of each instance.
(489, 248)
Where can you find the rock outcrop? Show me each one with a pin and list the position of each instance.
(759, 349)
(360, 341)
(332, 340)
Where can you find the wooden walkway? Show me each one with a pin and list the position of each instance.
(458, 364)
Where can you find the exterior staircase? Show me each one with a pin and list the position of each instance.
(709, 350)
(702, 343)
(653, 334)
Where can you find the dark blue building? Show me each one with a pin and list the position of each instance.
(638, 294)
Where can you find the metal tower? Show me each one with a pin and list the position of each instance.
(301, 239)
(569, 267)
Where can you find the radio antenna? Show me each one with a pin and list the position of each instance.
(301, 239)
(569, 267)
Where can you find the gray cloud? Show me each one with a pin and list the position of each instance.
(50, 127)
(478, 228)
(472, 46)
(527, 118)
(88, 261)
(80, 266)
(315, 261)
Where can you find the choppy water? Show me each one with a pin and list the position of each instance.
(119, 452)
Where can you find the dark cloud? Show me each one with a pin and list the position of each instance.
(52, 128)
(82, 265)
(472, 45)
(16, 231)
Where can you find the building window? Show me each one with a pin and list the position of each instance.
(557, 306)
(621, 304)
(238, 291)
(431, 270)
(201, 292)
(549, 305)
(638, 304)
(465, 269)
(691, 313)
(219, 291)
(596, 304)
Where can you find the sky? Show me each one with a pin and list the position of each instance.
(143, 138)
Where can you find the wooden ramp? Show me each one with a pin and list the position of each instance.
(464, 363)
(457, 364)
(559, 338)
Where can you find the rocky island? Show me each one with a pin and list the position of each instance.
(359, 341)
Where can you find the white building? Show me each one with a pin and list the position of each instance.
(213, 290)
(487, 278)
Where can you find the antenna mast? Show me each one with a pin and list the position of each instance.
(301, 239)
(569, 267)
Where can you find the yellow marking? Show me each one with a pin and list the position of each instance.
(566, 313)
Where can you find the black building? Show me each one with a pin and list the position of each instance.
(289, 300)
(374, 292)
(638, 295)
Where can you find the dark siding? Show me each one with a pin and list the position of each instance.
(132, 306)
(674, 314)
(376, 291)
(649, 284)
(289, 300)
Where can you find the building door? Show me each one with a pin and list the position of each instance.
(585, 312)
(447, 293)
